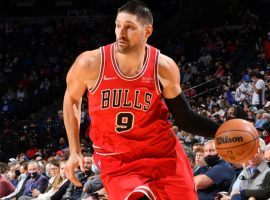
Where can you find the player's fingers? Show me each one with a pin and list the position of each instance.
(74, 180)
(70, 174)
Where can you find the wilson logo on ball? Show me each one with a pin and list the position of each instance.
(226, 139)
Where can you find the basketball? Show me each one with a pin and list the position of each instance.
(237, 141)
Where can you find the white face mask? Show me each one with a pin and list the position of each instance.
(95, 169)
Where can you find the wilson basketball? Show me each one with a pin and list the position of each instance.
(237, 141)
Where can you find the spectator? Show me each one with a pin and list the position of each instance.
(235, 112)
(5, 186)
(176, 131)
(253, 181)
(200, 165)
(244, 90)
(212, 181)
(190, 155)
(258, 90)
(22, 179)
(197, 146)
(54, 182)
(74, 192)
(36, 181)
(62, 144)
(60, 189)
(93, 184)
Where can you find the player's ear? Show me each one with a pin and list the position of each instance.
(148, 30)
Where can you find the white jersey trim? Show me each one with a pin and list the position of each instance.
(101, 73)
(120, 74)
(107, 154)
(143, 189)
(157, 83)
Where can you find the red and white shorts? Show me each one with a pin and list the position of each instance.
(131, 176)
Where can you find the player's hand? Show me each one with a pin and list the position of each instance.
(73, 162)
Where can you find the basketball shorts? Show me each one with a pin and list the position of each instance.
(132, 176)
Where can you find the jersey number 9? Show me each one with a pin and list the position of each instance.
(124, 121)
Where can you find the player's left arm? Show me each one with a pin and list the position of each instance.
(178, 105)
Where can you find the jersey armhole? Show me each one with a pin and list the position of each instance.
(157, 82)
(101, 72)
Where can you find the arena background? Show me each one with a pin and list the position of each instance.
(40, 39)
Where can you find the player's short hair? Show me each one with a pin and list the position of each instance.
(139, 9)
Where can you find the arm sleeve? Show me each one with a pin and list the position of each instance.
(189, 121)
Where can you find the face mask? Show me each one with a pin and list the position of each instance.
(17, 172)
(211, 160)
(33, 175)
(87, 172)
(229, 117)
(95, 169)
(48, 174)
(23, 176)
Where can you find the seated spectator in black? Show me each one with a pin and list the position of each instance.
(36, 181)
(217, 177)
(74, 192)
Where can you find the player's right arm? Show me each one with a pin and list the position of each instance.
(83, 73)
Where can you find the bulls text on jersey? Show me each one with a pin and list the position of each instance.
(116, 98)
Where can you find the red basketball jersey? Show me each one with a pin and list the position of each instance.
(129, 121)
(127, 113)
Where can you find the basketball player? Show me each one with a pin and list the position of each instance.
(138, 154)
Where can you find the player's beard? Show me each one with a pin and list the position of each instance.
(123, 45)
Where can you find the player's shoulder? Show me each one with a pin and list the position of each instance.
(87, 65)
(88, 58)
(166, 64)
(165, 61)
